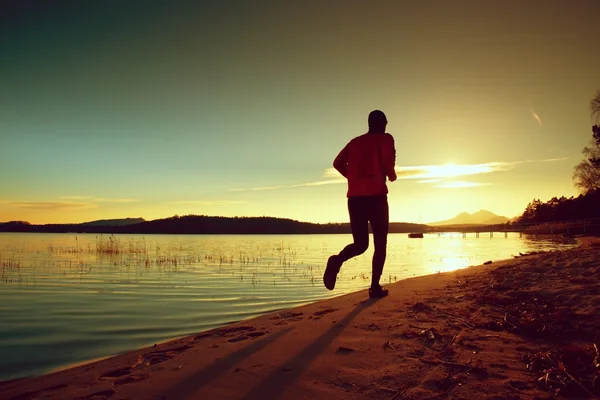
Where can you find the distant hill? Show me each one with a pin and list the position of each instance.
(201, 224)
(481, 217)
(114, 222)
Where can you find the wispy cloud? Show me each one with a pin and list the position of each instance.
(104, 200)
(317, 183)
(423, 173)
(536, 117)
(75, 197)
(67, 203)
(550, 160)
(206, 202)
(446, 171)
(331, 173)
(432, 173)
(460, 184)
(101, 199)
(52, 205)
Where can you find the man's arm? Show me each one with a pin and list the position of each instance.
(389, 158)
(341, 162)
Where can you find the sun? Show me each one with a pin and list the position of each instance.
(454, 170)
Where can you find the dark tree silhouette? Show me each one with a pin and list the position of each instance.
(587, 172)
(586, 175)
(584, 206)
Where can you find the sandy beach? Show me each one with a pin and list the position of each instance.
(525, 328)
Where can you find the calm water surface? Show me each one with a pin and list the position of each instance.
(67, 298)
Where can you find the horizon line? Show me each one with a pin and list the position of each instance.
(241, 217)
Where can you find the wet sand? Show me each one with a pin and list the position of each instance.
(524, 328)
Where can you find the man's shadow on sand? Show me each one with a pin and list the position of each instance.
(278, 381)
(274, 384)
(187, 387)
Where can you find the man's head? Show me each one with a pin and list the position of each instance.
(377, 121)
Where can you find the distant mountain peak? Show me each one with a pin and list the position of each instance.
(481, 217)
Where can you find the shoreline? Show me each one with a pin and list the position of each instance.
(335, 347)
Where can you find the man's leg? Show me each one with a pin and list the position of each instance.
(359, 223)
(379, 217)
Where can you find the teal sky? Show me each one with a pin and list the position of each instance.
(239, 108)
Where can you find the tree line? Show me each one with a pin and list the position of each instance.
(202, 224)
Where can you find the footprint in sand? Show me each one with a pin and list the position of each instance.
(243, 333)
(224, 332)
(117, 373)
(125, 376)
(34, 394)
(345, 350)
(319, 314)
(287, 315)
(370, 327)
(416, 353)
(247, 336)
(131, 378)
(285, 318)
(103, 395)
(156, 357)
(234, 329)
(134, 373)
(323, 312)
(203, 336)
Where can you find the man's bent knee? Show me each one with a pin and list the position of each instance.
(361, 247)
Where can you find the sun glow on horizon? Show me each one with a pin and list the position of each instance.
(450, 170)
(461, 184)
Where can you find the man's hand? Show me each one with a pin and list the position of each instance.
(392, 178)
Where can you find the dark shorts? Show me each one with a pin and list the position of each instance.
(369, 209)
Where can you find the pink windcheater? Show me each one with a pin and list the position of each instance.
(366, 161)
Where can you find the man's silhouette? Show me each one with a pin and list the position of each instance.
(366, 162)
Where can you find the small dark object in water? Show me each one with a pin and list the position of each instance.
(416, 235)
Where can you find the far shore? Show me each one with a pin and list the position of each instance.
(215, 225)
(523, 328)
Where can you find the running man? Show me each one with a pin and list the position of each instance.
(366, 162)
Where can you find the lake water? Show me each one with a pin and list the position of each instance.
(67, 298)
